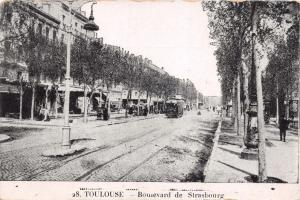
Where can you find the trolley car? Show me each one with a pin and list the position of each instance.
(174, 108)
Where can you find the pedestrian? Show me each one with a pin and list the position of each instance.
(283, 126)
(46, 115)
(145, 110)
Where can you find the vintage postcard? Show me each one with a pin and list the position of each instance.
(158, 99)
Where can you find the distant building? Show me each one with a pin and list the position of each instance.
(212, 100)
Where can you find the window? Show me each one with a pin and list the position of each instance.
(54, 35)
(40, 28)
(63, 18)
(46, 7)
(76, 24)
(47, 32)
(62, 37)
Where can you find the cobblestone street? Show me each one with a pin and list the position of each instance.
(155, 149)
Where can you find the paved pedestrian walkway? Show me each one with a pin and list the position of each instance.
(226, 165)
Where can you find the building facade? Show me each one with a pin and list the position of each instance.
(51, 19)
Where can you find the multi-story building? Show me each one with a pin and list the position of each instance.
(13, 70)
(61, 12)
(51, 19)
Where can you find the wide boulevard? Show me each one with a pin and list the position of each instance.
(155, 149)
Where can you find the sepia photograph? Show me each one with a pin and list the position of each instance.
(152, 92)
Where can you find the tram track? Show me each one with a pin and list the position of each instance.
(119, 157)
(59, 164)
(92, 175)
(139, 139)
(81, 177)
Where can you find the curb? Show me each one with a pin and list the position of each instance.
(51, 126)
(4, 138)
(60, 152)
(122, 122)
(213, 152)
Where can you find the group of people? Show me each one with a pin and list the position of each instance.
(218, 109)
(138, 111)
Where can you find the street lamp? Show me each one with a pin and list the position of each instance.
(91, 25)
(66, 130)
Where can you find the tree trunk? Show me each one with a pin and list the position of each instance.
(138, 104)
(100, 99)
(238, 117)
(21, 101)
(90, 100)
(85, 104)
(148, 102)
(126, 106)
(260, 126)
(233, 115)
(46, 98)
(108, 101)
(299, 118)
(277, 104)
(287, 111)
(298, 112)
(32, 102)
(197, 101)
(262, 170)
(246, 96)
(56, 100)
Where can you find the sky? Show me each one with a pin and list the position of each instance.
(173, 34)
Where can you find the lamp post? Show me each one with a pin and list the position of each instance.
(90, 25)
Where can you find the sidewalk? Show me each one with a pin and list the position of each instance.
(77, 121)
(226, 166)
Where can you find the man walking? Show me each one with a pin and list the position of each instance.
(283, 126)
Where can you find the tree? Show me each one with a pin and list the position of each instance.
(54, 67)
(228, 29)
(112, 76)
(149, 84)
(86, 67)
(233, 26)
(128, 62)
(273, 13)
(34, 51)
(140, 75)
(14, 28)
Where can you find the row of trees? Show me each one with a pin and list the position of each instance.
(92, 63)
(257, 57)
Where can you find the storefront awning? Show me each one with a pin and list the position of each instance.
(72, 89)
(9, 89)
